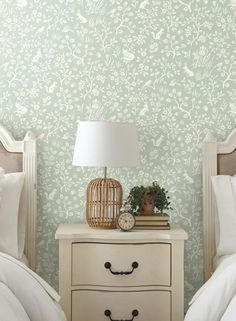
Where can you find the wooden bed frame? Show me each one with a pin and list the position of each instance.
(219, 158)
(17, 156)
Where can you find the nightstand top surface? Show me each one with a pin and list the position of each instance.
(85, 233)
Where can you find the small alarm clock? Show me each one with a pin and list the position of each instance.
(126, 221)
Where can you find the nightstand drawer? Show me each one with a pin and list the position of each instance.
(121, 264)
(91, 305)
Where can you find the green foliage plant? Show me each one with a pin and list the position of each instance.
(152, 194)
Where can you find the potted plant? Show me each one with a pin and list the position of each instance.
(146, 199)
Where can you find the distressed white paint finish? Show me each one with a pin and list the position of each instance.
(87, 282)
(29, 194)
(211, 149)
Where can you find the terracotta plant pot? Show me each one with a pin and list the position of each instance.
(148, 208)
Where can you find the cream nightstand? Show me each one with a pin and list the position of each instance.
(111, 275)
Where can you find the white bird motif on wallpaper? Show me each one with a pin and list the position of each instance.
(22, 110)
(143, 4)
(82, 19)
(37, 56)
(172, 189)
(21, 3)
(50, 89)
(50, 196)
(144, 111)
(189, 72)
(41, 29)
(158, 35)
(147, 83)
(232, 108)
(188, 178)
(128, 56)
(157, 142)
(233, 3)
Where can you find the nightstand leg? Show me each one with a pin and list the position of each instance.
(178, 280)
(65, 276)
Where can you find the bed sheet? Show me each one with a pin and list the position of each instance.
(24, 296)
(216, 299)
(219, 259)
(24, 260)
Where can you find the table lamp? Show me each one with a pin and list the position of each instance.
(105, 144)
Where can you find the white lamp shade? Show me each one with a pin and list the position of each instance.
(106, 144)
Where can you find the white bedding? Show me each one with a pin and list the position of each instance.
(24, 260)
(12, 220)
(224, 187)
(216, 299)
(219, 259)
(24, 296)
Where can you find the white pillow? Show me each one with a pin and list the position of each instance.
(224, 187)
(12, 226)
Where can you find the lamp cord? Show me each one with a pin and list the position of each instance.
(105, 172)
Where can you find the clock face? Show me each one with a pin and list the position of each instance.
(126, 221)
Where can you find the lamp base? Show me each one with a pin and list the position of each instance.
(104, 200)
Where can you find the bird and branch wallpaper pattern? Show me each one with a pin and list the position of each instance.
(166, 65)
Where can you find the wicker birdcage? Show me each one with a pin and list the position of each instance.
(104, 200)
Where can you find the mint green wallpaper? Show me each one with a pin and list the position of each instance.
(167, 65)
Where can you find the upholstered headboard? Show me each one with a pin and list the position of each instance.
(226, 163)
(11, 162)
(219, 158)
(16, 156)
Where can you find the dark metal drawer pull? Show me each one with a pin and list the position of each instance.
(134, 266)
(108, 314)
